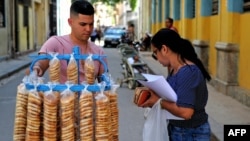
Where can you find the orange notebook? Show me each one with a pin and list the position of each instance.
(141, 95)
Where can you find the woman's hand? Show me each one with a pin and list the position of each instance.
(151, 101)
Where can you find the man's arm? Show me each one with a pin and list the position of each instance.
(51, 45)
(41, 66)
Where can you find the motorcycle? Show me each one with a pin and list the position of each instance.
(132, 67)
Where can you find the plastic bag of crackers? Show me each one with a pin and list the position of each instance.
(72, 70)
(89, 69)
(86, 114)
(114, 111)
(34, 114)
(50, 114)
(21, 111)
(67, 114)
(28, 110)
(54, 68)
(102, 115)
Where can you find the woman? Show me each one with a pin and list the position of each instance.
(188, 78)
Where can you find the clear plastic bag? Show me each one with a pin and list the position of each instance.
(102, 116)
(34, 115)
(72, 70)
(155, 126)
(89, 68)
(114, 111)
(21, 111)
(86, 113)
(50, 114)
(54, 68)
(67, 113)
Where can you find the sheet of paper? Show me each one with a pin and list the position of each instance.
(160, 86)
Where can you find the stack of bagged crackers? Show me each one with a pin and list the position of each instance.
(66, 115)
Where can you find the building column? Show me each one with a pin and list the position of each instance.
(227, 66)
(201, 49)
(153, 15)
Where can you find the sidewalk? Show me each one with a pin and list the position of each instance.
(222, 109)
(12, 66)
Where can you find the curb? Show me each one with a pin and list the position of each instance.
(15, 70)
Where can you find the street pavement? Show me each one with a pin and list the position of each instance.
(222, 109)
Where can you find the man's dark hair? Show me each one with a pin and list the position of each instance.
(82, 7)
(131, 25)
(170, 20)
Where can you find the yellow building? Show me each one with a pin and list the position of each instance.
(219, 30)
(25, 25)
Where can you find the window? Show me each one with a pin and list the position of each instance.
(194, 8)
(2, 14)
(246, 6)
(25, 2)
(215, 7)
(25, 16)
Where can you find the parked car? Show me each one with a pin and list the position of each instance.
(112, 36)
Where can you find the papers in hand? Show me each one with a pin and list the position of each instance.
(159, 85)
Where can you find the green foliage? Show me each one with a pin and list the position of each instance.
(133, 4)
(108, 2)
(113, 2)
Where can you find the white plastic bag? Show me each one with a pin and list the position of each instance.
(155, 126)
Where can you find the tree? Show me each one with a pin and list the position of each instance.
(114, 2)
(132, 4)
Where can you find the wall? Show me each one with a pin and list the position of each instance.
(4, 32)
(63, 13)
(24, 38)
(145, 18)
(3, 44)
(244, 58)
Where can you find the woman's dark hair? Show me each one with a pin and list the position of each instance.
(82, 7)
(181, 46)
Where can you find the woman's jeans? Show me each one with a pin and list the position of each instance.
(201, 133)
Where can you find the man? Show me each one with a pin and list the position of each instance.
(131, 32)
(81, 21)
(99, 34)
(169, 24)
(130, 36)
(93, 35)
